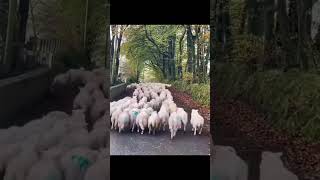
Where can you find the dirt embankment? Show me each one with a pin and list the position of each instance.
(243, 127)
(185, 101)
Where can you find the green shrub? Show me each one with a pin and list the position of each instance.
(290, 100)
(199, 92)
(247, 47)
(187, 77)
(132, 80)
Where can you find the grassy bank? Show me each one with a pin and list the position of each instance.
(199, 92)
(290, 100)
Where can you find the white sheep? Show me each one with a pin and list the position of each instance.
(8, 135)
(114, 118)
(153, 122)
(7, 152)
(196, 121)
(100, 170)
(183, 116)
(172, 107)
(19, 166)
(83, 100)
(174, 124)
(164, 116)
(77, 120)
(77, 138)
(98, 109)
(76, 76)
(123, 121)
(45, 169)
(55, 115)
(88, 76)
(142, 120)
(90, 87)
(76, 162)
(53, 136)
(133, 116)
(98, 137)
(61, 80)
(144, 100)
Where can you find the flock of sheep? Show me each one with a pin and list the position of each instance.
(59, 146)
(152, 107)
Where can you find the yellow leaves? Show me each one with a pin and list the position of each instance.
(206, 36)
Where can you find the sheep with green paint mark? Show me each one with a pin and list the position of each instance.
(76, 162)
(133, 117)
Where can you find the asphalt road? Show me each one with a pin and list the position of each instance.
(128, 143)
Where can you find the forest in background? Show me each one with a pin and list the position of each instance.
(267, 53)
(80, 26)
(178, 54)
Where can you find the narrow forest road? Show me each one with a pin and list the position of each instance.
(128, 143)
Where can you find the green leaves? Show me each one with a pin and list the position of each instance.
(199, 92)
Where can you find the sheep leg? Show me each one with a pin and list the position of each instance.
(132, 128)
(195, 131)
(200, 130)
(171, 134)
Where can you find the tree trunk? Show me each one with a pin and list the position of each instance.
(189, 49)
(181, 42)
(117, 56)
(137, 62)
(207, 59)
(19, 61)
(243, 18)
(172, 64)
(112, 49)
(199, 54)
(108, 52)
(254, 17)
(288, 45)
(213, 23)
(24, 12)
(302, 33)
(166, 66)
(194, 70)
(109, 45)
(218, 32)
(268, 32)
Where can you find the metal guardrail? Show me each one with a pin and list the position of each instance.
(45, 51)
(36, 53)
